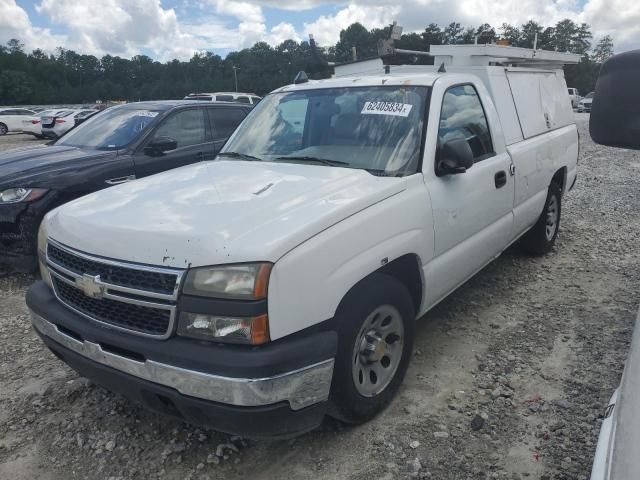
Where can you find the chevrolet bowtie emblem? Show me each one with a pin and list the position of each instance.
(91, 286)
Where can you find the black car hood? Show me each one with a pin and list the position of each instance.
(46, 166)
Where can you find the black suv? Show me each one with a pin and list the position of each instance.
(115, 146)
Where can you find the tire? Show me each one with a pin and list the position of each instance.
(540, 239)
(375, 334)
(3, 129)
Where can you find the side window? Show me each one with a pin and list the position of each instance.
(225, 121)
(243, 100)
(224, 98)
(462, 117)
(255, 100)
(186, 127)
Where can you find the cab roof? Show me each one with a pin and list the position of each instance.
(402, 78)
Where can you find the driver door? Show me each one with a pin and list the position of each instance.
(188, 127)
(472, 211)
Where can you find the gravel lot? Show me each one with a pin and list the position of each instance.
(509, 379)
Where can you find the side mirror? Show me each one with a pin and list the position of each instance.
(454, 157)
(615, 112)
(159, 145)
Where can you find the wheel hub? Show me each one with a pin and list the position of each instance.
(372, 348)
(377, 351)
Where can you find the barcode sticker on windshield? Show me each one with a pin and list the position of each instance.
(146, 113)
(387, 108)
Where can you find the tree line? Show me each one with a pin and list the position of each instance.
(70, 77)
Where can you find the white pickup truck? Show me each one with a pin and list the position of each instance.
(280, 283)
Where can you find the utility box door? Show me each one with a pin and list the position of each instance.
(541, 100)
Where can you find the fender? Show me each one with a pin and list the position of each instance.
(309, 282)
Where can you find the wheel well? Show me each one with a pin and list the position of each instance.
(560, 178)
(406, 269)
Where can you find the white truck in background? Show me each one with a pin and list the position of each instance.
(574, 96)
(281, 282)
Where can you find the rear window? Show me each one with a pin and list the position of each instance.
(224, 98)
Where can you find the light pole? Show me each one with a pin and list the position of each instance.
(235, 75)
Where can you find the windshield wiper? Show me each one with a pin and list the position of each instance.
(242, 156)
(323, 161)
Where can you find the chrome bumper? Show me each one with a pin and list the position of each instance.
(301, 388)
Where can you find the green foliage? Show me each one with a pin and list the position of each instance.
(70, 77)
(603, 50)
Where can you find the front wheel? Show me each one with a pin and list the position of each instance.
(375, 325)
(540, 239)
(3, 129)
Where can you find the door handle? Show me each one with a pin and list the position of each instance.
(118, 180)
(500, 179)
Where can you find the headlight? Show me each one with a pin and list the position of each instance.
(42, 254)
(252, 330)
(17, 195)
(243, 281)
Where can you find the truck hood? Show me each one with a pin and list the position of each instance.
(216, 212)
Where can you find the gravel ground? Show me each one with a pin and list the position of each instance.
(509, 379)
(18, 140)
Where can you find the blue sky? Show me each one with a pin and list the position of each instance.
(166, 29)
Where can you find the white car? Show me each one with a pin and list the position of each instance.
(282, 282)
(585, 103)
(19, 120)
(56, 124)
(248, 98)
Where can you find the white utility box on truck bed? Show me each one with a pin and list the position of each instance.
(281, 282)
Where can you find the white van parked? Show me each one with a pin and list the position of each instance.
(259, 292)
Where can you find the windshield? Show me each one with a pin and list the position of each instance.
(111, 129)
(590, 95)
(378, 129)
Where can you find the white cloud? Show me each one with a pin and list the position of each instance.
(618, 18)
(245, 11)
(252, 27)
(283, 31)
(326, 29)
(120, 27)
(15, 23)
(129, 27)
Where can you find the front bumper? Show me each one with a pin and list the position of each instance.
(274, 390)
(18, 233)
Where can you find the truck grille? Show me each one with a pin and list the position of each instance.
(149, 281)
(132, 317)
(135, 298)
